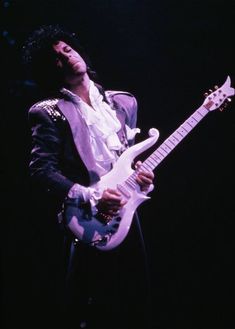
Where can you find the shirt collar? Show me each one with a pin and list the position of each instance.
(93, 93)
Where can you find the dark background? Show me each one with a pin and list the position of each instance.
(167, 53)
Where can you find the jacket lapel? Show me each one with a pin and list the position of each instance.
(79, 131)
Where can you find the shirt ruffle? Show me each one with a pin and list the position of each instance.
(103, 126)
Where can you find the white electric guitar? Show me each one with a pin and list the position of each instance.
(109, 234)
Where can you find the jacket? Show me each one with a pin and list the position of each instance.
(61, 153)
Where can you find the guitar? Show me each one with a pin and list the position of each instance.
(108, 235)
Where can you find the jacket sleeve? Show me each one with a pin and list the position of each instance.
(126, 102)
(132, 113)
(45, 154)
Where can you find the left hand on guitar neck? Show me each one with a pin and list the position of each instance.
(144, 178)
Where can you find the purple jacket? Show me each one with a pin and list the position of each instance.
(61, 153)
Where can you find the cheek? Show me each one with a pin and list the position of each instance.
(80, 59)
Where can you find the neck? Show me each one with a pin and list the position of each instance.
(81, 88)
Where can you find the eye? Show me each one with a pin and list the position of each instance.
(67, 49)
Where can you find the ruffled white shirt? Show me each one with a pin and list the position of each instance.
(103, 126)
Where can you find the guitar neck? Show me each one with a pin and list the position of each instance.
(212, 102)
(174, 139)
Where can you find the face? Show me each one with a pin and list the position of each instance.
(69, 60)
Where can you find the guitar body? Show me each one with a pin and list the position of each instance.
(106, 236)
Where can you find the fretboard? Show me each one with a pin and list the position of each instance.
(170, 143)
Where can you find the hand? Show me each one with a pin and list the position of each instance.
(144, 178)
(110, 203)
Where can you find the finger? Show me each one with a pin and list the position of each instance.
(138, 164)
(111, 198)
(143, 180)
(116, 204)
(123, 202)
(110, 203)
(113, 192)
(143, 170)
(147, 174)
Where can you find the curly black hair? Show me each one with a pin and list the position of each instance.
(39, 57)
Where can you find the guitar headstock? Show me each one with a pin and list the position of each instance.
(219, 98)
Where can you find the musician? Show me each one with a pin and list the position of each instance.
(78, 132)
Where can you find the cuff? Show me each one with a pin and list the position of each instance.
(86, 194)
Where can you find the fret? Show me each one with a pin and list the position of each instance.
(155, 158)
(163, 149)
(197, 116)
(158, 159)
(182, 131)
(179, 135)
(147, 165)
(151, 160)
(174, 138)
(169, 144)
(192, 121)
(202, 111)
(153, 164)
(131, 181)
(198, 113)
(194, 118)
(187, 126)
(129, 184)
(161, 156)
(150, 163)
(171, 141)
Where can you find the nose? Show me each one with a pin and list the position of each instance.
(64, 56)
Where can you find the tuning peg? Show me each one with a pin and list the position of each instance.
(222, 108)
(216, 87)
(225, 104)
(205, 94)
(210, 91)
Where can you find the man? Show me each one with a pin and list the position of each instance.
(78, 133)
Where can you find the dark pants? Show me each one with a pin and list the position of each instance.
(107, 289)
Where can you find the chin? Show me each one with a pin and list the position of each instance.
(80, 70)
